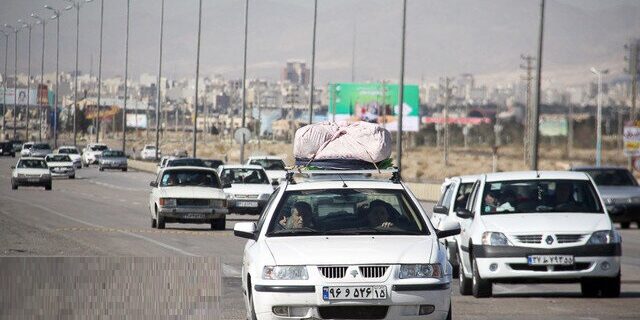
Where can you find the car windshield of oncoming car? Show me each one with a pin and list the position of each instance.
(186, 162)
(346, 212)
(99, 148)
(268, 164)
(27, 146)
(539, 196)
(68, 151)
(32, 164)
(244, 176)
(182, 178)
(41, 146)
(463, 195)
(58, 158)
(612, 177)
(113, 154)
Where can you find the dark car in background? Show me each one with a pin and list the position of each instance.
(186, 162)
(6, 149)
(619, 191)
(213, 163)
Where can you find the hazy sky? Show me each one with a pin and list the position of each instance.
(484, 37)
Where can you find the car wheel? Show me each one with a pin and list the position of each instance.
(72, 177)
(449, 313)
(481, 288)
(160, 222)
(124, 169)
(219, 224)
(154, 223)
(465, 283)
(611, 287)
(252, 310)
(101, 169)
(451, 254)
(589, 288)
(625, 225)
(14, 186)
(48, 186)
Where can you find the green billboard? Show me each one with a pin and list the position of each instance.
(374, 102)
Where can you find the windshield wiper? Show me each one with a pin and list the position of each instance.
(294, 231)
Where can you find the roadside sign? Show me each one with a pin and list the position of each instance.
(631, 139)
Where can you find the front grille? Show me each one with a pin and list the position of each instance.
(525, 267)
(353, 312)
(569, 238)
(246, 196)
(373, 271)
(192, 202)
(333, 272)
(530, 238)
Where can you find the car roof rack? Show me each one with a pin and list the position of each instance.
(327, 173)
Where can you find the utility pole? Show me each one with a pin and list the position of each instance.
(126, 76)
(447, 96)
(15, 81)
(313, 60)
(195, 106)
(384, 104)
(159, 88)
(633, 57)
(99, 73)
(526, 136)
(40, 107)
(536, 106)
(401, 86)
(28, 26)
(4, 80)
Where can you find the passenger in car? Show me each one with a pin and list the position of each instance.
(379, 216)
(301, 217)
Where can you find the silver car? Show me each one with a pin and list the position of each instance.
(112, 159)
(40, 150)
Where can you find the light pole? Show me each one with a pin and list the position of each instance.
(99, 73)
(313, 60)
(401, 86)
(15, 82)
(535, 114)
(43, 23)
(4, 80)
(56, 16)
(126, 76)
(599, 74)
(195, 106)
(29, 27)
(244, 74)
(159, 103)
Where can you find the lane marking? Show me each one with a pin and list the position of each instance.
(203, 232)
(112, 186)
(162, 244)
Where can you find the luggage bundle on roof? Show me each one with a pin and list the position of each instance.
(343, 146)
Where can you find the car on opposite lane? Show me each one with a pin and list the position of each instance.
(92, 152)
(60, 165)
(73, 153)
(249, 188)
(345, 247)
(113, 159)
(148, 152)
(31, 171)
(619, 190)
(187, 195)
(537, 226)
(274, 166)
(40, 150)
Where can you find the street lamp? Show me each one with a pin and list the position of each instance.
(56, 16)
(43, 23)
(76, 4)
(313, 60)
(15, 81)
(29, 27)
(4, 80)
(100, 72)
(159, 103)
(599, 74)
(126, 76)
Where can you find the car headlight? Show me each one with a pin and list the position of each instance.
(22, 175)
(218, 203)
(495, 239)
(285, 273)
(264, 196)
(604, 237)
(167, 202)
(408, 271)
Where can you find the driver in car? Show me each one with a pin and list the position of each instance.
(378, 215)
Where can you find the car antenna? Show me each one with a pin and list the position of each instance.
(537, 174)
(344, 184)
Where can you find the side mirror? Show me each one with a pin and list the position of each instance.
(153, 184)
(245, 230)
(464, 214)
(440, 209)
(13, 167)
(275, 182)
(226, 185)
(448, 228)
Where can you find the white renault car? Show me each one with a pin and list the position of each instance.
(148, 152)
(249, 187)
(60, 165)
(344, 246)
(272, 165)
(538, 226)
(91, 154)
(26, 149)
(31, 172)
(73, 153)
(187, 195)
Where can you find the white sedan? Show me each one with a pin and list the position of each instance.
(31, 172)
(338, 247)
(26, 149)
(60, 165)
(272, 165)
(91, 154)
(73, 153)
(541, 226)
(148, 152)
(187, 195)
(249, 187)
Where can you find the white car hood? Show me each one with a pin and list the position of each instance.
(347, 250)
(276, 174)
(191, 192)
(59, 164)
(241, 188)
(547, 222)
(74, 157)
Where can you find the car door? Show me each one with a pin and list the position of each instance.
(154, 194)
(466, 226)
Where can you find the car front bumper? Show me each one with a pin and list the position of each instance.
(63, 173)
(402, 302)
(111, 165)
(251, 206)
(192, 214)
(624, 212)
(510, 263)
(32, 181)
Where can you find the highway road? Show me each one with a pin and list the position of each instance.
(105, 215)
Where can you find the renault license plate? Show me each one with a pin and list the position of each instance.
(194, 216)
(547, 260)
(354, 293)
(247, 204)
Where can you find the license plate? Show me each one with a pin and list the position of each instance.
(194, 215)
(354, 293)
(546, 260)
(247, 204)
(33, 180)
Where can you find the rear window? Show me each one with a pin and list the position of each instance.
(186, 163)
(99, 148)
(68, 151)
(346, 212)
(41, 146)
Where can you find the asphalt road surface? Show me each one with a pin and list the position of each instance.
(104, 215)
